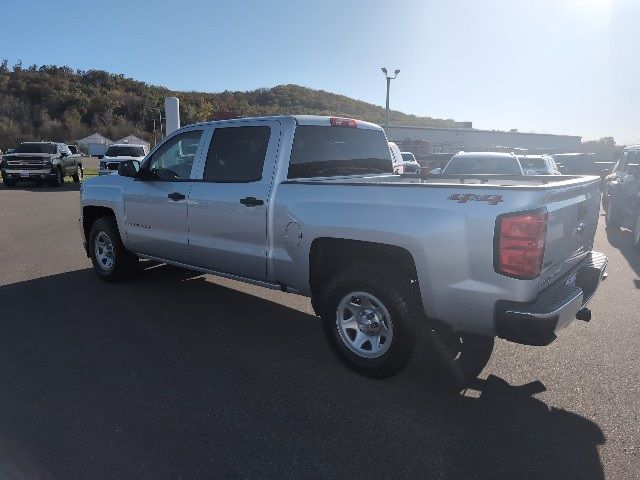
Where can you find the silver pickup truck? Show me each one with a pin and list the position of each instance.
(310, 205)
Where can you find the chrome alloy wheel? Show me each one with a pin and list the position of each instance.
(103, 248)
(364, 324)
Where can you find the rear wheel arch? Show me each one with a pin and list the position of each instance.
(328, 256)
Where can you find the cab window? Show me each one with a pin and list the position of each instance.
(174, 160)
(237, 154)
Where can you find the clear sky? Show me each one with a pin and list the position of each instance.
(557, 66)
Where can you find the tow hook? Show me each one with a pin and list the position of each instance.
(584, 314)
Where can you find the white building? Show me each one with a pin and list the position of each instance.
(133, 140)
(451, 140)
(94, 145)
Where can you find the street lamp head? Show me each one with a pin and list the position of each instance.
(384, 70)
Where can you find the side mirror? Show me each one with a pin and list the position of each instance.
(100, 157)
(129, 168)
(436, 171)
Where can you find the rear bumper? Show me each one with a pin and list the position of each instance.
(537, 322)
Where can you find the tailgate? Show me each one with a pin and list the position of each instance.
(573, 213)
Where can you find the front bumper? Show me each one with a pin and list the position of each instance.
(537, 322)
(28, 175)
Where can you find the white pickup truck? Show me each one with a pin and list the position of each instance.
(310, 205)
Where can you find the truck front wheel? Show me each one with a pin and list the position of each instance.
(111, 260)
(370, 319)
(58, 177)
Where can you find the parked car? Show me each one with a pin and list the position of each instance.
(118, 152)
(44, 162)
(577, 163)
(622, 193)
(410, 165)
(482, 163)
(538, 165)
(310, 205)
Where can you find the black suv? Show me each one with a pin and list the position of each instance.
(622, 193)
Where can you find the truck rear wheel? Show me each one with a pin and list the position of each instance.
(111, 260)
(636, 233)
(370, 319)
(614, 216)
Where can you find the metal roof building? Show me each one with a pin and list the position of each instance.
(95, 144)
(451, 140)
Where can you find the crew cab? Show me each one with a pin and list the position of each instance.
(622, 193)
(310, 205)
(43, 162)
(118, 152)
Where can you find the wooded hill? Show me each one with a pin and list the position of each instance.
(58, 103)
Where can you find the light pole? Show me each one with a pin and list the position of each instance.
(389, 78)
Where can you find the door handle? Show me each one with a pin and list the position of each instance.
(251, 201)
(176, 196)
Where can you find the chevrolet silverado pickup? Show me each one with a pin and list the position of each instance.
(310, 205)
(43, 162)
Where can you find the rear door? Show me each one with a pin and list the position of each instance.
(156, 205)
(229, 205)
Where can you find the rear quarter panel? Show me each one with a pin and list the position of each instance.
(451, 242)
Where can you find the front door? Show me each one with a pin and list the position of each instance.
(228, 207)
(156, 203)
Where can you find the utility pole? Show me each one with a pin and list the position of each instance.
(389, 78)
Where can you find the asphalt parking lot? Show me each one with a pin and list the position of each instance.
(180, 375)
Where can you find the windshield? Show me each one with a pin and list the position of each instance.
(408, 157)
(36, 148)
(467, 165)
(320, 151)
(121, 151)
(537, 164)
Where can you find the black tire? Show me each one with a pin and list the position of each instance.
(397, 295)
(58, 178)
(124, 263)
(8, 183)
(614, 216)
(457, 358)
(636, 232)
(78, 175)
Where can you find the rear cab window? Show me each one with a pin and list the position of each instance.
(326, 151)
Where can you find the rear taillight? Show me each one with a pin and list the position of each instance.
(520, 244)
(343, 122)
